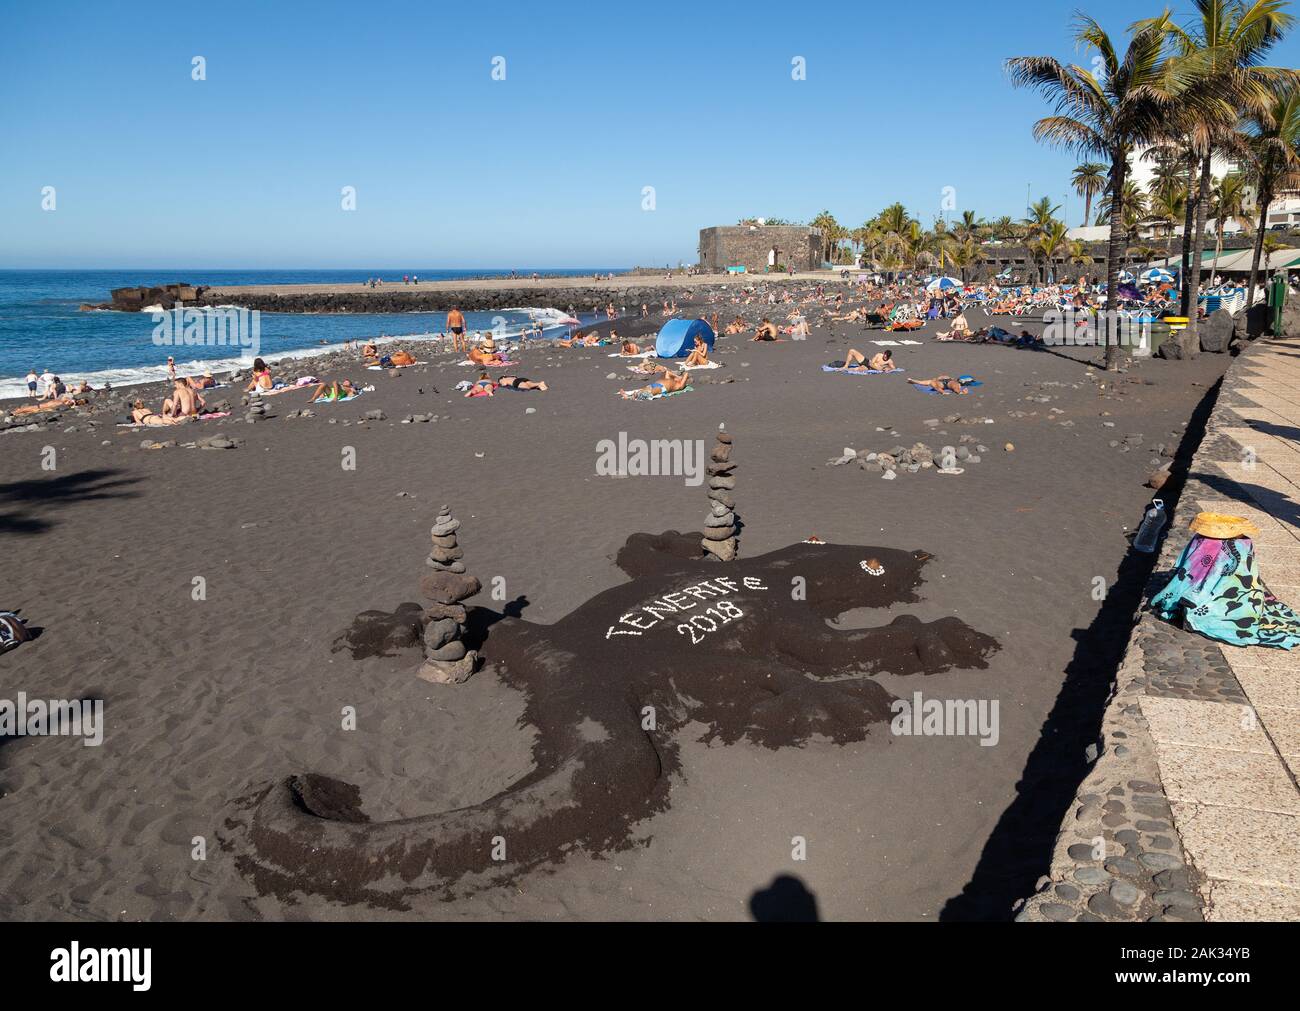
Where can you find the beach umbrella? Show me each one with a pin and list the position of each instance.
(1125, 275)
(943, 284)
(1157, 275)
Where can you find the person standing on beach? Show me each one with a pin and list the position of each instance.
(47, 382)
(456, 324)
(171, 368)
(32, 380)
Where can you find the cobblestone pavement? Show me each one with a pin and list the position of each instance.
(1191, 810)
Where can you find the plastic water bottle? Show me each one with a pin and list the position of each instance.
(1148, 535)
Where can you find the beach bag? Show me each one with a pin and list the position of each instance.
(13, 631)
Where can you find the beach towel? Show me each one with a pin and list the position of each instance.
(1216, 591)
(644, 354)
(859, 372)
(497, 365)
(928, 389)
(883, 344)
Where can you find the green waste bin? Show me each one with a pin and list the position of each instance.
(1276, 302)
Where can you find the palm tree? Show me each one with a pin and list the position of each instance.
(1222, 49)
(1274, 164)
(1135, 102)
(1167, 207)
(1042, 215)
(1003, 228)
(1088, 179)
(1079, 254)
(965, 255)
(829, 226)
(1050, 241)
(1228, 200)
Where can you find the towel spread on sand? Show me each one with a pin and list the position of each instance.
(493, 365)
(859, 372)
(644, 354)
(884, 344)
(684, 368)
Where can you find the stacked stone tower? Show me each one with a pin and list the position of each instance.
(720, 530)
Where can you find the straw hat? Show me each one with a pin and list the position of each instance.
(1222, 527)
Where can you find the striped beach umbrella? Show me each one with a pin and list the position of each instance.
(943, 284)
(1157, 275)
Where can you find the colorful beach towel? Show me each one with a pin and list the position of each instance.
(497, 365)
(1216, 591)
(644, 354)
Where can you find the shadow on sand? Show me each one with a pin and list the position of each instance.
(1020, 849)
(25, 502)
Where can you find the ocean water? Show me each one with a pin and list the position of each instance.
(41, 326)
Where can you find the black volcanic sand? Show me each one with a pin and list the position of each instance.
(608, 688)
(208, 700)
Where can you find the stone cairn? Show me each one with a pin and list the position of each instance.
(446, 659)
(720, 531)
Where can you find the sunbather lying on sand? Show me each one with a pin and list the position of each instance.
(206, 382)
(520, 383)
(946, 385)
(142, 415)
(328, 392)
(736, 326)
(629, 348)
(669, 382)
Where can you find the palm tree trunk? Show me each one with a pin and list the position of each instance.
(1087, 207)
(1115, 247)
(1265, 199)
(1192, 275)
(1193, 199)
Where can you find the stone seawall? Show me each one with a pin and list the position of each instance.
(394, 300)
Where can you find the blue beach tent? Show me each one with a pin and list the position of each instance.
(677, 337)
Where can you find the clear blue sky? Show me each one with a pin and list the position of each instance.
(545, 168)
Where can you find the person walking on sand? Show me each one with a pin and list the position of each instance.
(456, 324)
